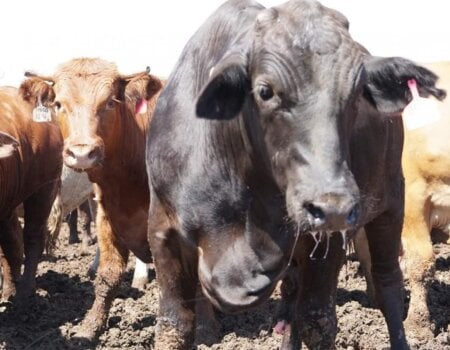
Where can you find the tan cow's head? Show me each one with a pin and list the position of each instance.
(95, 106)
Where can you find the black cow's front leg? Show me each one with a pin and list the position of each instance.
(176, 320)
(317, 299)
(383, 235)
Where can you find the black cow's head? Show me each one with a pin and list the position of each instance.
(300, 82)
(304, 77)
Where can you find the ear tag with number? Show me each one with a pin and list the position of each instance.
(42, 114)
(141, 106)
(420, 111)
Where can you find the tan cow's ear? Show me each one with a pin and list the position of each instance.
(37, 90)
(8, 145)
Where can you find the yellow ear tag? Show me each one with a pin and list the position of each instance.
(420, 111)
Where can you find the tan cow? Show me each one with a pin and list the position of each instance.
(104, 117)
(426, 167)
(30, 170)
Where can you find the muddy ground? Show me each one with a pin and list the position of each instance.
(65, 293)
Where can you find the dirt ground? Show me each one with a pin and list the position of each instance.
(65, 293)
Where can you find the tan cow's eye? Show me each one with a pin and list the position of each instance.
(57, 106)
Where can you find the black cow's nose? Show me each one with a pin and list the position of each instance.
(316, 212)
(332, 216)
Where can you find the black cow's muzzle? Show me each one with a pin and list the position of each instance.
(333, 215)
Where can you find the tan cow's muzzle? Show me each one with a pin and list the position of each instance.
(83, 157)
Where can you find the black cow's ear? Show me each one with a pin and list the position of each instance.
(225, 93)
(387, 83)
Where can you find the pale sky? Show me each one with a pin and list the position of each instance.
(39, 35)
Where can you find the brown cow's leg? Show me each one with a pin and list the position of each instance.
(419, 258)
(36, 212)
(54, 225)
(113, 261)
(176, 319)
(317, 301)
(383, 235)
(11, 255)
(84, 215)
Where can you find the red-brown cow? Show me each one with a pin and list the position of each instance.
(104, 117)
(30, 170)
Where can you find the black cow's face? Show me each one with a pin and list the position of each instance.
(306, 77)
(300, 83)
(303, 73)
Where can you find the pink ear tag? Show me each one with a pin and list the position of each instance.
(141, 106)
(420, 111)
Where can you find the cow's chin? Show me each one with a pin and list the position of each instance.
(233, 298)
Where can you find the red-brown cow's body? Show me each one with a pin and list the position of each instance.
(29, 174)
(104, 126)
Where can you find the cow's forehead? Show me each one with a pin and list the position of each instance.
(86, 81)
(302, 42)
(303, 27)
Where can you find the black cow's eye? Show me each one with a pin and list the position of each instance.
(265, 92)
(57, 105)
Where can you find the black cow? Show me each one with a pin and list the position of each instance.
(276, 128)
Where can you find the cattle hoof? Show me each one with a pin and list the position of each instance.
(168, 337)
(418, 330)
(7, 294)
(91, 274)
(84, 248)
(73, 240)
(25, 290)
(83, 334)
(207, 334)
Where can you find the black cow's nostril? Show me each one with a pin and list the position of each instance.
(353, 216)
(316, 212)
